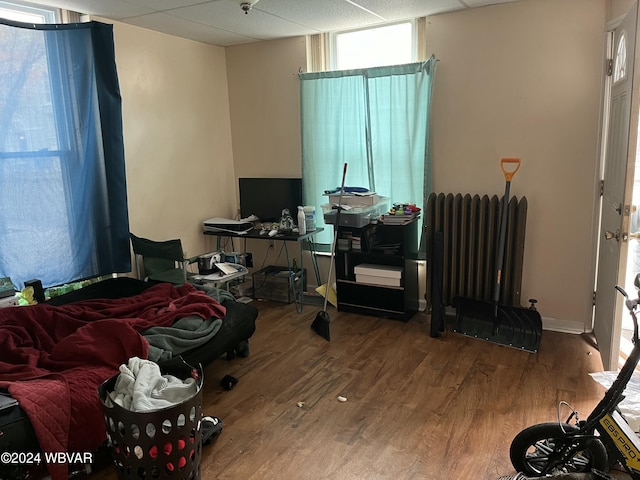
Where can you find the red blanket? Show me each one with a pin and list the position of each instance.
(52, 359)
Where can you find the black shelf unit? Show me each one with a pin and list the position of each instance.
(378, 244)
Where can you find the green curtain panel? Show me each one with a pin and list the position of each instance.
(377, 121)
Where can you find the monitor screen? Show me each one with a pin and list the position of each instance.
(267, 197)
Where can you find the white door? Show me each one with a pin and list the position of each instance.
(621, 145)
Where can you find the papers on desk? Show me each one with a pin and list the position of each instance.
(222, 270)
(227, 268)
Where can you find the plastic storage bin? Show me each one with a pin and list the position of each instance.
(356, 217)
(157, 444)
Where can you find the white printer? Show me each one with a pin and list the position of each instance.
(217, 224)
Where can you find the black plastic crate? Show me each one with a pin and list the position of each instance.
(279, 284)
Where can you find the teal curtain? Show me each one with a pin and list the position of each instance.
(377, 121)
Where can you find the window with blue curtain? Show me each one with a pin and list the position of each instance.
(377, 121)
(63, 202)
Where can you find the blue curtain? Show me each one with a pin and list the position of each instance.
(63, 203)
(377, 121)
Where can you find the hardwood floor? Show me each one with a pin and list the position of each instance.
(417, 408)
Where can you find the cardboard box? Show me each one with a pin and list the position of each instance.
(382, 281)
(376, 270)
(384, 275)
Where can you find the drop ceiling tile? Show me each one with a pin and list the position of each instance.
(409, 8)
(322, 16)
(199, 32)
(113, 9)
(162, 5)
(226, 15)
(222, 22)
(482, 3)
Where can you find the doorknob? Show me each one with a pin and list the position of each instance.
(609, 235)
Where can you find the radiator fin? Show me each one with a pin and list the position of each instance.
(470, 225)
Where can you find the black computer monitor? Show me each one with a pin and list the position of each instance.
(267, 197)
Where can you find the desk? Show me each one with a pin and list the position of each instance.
(254, 234)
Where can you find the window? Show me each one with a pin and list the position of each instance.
(620, 67)
(373, 47)
(377, 121)
(371, 111)
(62, 189)
(24, 12)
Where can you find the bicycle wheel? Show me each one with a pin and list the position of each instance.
(536, 451)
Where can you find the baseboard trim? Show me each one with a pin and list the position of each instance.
(548, 323)
(562, 326)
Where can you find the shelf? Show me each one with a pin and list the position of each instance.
(384, 245)
(392, 287)
(376, 312)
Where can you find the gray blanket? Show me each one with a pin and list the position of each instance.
(186, 333)
(141, 387)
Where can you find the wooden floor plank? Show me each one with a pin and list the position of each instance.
(417, 407)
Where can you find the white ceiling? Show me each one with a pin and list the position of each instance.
(223, 23)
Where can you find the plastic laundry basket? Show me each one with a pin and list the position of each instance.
(157, 444)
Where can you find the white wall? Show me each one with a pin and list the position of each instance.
(177, 134)
(524, 80)
(519, 79)
(264, 94)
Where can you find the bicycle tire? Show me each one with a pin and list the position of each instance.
(545, 439)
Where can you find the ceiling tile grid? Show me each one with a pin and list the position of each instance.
(223, 23)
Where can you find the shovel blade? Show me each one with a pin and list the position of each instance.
(514, 327)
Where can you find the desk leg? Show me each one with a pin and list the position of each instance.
(302, 279)
(297, 300)
(314, 260)
(233, 247)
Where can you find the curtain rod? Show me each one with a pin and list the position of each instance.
(432, 57)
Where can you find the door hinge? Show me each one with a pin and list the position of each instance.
(601, 187)
(609, 67)
(593, 299)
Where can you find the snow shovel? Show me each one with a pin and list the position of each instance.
(507, 325)
(321, 323)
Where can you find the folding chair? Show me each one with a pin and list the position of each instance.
(161, 261)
